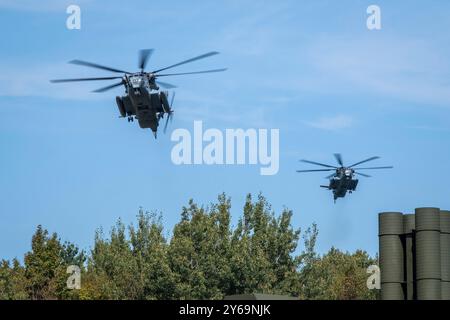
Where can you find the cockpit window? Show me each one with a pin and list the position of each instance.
(136, 81)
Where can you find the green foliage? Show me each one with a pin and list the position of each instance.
(12, 281)
(338, 276)
(46, 265)
(263, 246)
(43, 275)
(199, 251)
(205, 258)
(131, 265)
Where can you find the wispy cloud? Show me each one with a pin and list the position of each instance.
(39, 6)
(388, 64)
(266, 52)
(332, 123)
(32, 80)
(413, 70)
(254, 33)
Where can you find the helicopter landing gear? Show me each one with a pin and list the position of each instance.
(130, 119)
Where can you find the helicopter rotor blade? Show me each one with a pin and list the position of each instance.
(212, 53)
(363, 174)
(170, 114)
(372, 168)
(330, 176)
(318, 164)
(367, 160)
(195, 72)
(338, 157)
(167, 122)
(144, 55)
(83, 79)
(95, 65)
(315, 170)
(109, 87)
(165, 85)
(171, 101)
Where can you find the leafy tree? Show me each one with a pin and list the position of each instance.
(130, 265)
(205, 258)
(199, 251)
(43, 265)
(12, 281)
(112, 261)
(339, 276)
(211, 260)
(46, 265)
(149, 248)
(263, 250)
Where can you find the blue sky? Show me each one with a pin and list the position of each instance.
(308, 68)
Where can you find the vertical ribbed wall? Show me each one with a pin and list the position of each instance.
(415, 255)
(391, 255)
(410, 254)
(428, 254)
(445, 254)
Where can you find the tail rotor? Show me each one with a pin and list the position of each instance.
(169, 113)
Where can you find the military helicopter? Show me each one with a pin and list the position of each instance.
(139, 101)
(341, 180)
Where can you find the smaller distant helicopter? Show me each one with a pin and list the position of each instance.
(342, 180)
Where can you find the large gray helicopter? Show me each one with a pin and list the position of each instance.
(341, 180)
(139, 101)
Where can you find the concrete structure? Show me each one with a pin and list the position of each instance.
(391, 255)
(415, 255)
(445, 255)
(409, 222)
(428, 254)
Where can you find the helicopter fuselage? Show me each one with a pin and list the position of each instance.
(342, 182)
(143, 101)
